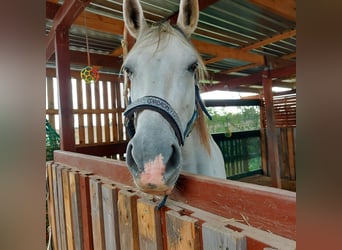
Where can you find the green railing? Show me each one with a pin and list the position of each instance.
(241, 152)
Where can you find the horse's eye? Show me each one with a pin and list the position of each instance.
(193, 67)
(128, 71)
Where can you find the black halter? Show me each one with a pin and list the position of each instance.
(161, 106)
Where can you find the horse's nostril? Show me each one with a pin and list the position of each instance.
(174, 160)
(130, 158)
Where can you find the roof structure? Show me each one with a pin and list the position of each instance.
(236, 38)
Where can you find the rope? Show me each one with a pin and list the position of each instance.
(86, 34)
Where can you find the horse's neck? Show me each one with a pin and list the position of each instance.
(197, 159)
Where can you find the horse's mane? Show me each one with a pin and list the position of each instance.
(164, 30)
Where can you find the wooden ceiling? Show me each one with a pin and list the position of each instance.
(237, 39)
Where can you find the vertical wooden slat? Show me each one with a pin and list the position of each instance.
(56, 198)
(52, 206)
(86, 212)
(219, 237)
(183, 232)
(105, 107)
(149, 224)
(81, 132)
(89, 116)
(115, 112)
(50, 99)
(291, 149)
(110, 216)
(74, 180)
(98, 115)
(67, 209)
(63, 244)
(96, 213)
(119, 111)
(128, 226)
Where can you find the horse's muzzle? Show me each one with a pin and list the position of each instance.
(154, 173)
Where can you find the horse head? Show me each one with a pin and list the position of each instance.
(162, 67)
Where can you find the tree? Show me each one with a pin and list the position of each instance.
(227, 122)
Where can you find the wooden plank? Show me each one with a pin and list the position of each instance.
(285, 8)
(58, 238)
(89, 117)
(227, 52)
(149, 224)
(50, 99)
(273, 39)
(128, 226)
(96, 212)
(52, 206)
(115, 112)
(62, 232)
(292, 152)
(110, 217)
(81, 129)
(86, 211)
(256, 238)
(67, 209)
(98, 115)
(119, 112)
(216, 236)
(74, 181)
(105, 107)
(182, 232)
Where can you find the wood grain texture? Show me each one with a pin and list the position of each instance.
(128, 220)
(150, 235)
(76, 213)
(67, 209)
(216, 236)
(96, 212)
(183, 232)
(110, 217)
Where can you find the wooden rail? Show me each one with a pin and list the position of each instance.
(93, 205)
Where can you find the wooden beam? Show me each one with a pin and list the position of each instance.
(284, 8)
(273, 39)
(66, 119)
(289, 56)
(237, 69)
(213, 60)
(63, 19)
(227, 52)
(251, 79)
(271, 134)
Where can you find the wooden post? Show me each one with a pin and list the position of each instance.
(271, 136)
(66, 118)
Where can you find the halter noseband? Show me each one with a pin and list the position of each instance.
(161, 106)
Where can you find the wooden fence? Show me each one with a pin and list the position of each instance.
(97, 110)
(93, 205)
(239, 150)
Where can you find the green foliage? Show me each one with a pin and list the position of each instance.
(248, 118)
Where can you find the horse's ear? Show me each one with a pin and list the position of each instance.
(134, 17)
(188, 16)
